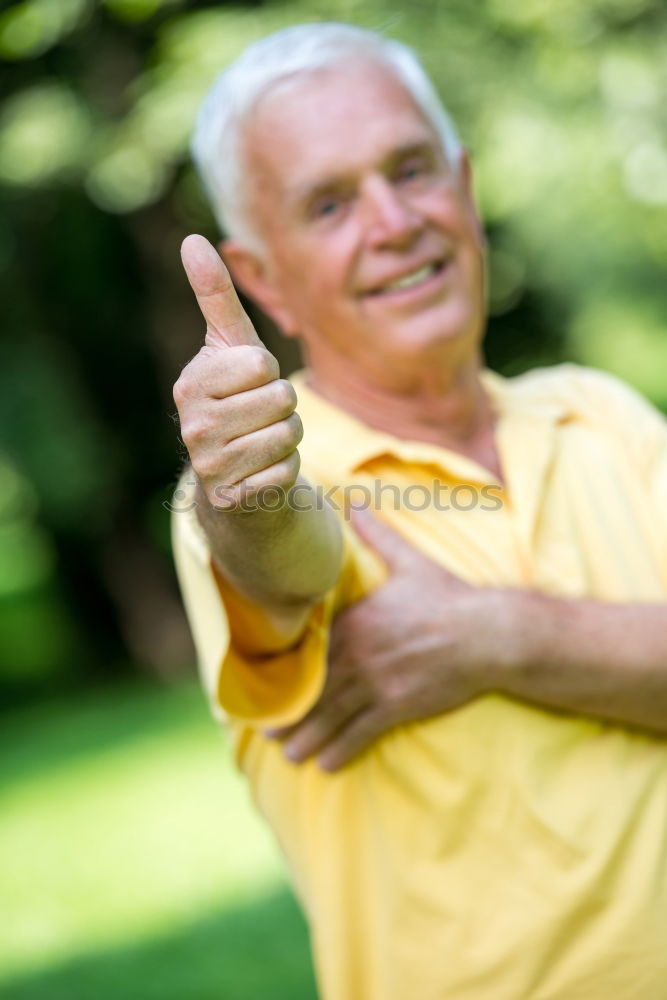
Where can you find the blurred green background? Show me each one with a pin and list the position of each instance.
(131, 863)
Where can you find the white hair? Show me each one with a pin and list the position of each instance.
(226, 109)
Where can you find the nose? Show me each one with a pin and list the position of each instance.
(391, 220)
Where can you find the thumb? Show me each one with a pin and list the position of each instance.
(227, 323)
(389, 545)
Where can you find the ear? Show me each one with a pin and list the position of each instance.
(465, 180)
(252, 275)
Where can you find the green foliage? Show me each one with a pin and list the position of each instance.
(561, 104)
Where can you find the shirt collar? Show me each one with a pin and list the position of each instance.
(351, 444)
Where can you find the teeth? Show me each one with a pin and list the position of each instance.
(408, 280)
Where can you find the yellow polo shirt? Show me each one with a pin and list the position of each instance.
(499, 851)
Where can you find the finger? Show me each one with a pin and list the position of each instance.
(223, 373)
(251, 411)
(219, 374)
(323, 722)
(336, 679)
(265, 490)
(342, 640)
(351, 741)
(251, 453)
(227, 324)
(280, 732)
(344, 634)
(216, 422)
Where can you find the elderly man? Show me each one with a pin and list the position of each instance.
(453, 712)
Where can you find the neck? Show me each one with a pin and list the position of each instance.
(446, 408)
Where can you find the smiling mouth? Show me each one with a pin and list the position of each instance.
(411, 280)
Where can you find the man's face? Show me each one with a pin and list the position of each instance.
(372, 239)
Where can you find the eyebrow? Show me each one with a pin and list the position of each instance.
(304, 193)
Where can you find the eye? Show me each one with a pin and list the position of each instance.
(414, 168)
(327, 206)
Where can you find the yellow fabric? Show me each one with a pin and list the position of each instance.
(497, 852)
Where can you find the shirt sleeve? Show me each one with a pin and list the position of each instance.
(634, 421)
(245, 672)
(635, 425)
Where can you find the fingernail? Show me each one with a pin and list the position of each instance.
(327, 764)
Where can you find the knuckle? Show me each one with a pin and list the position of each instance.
(397, 691)
(285, 396)
(207, 466)
(197, 432)
(347, 699)
(262, 366)
(286, 472)
(293, 429)
(196, 429)
(224, 497)
(278, 440)
(214, 466)
(179, 392)
(287, 434)
(191, 383)
(183, 388)
(188, 435)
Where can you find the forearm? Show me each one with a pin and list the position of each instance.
(241, 429)
(590, 657)
(283, 558)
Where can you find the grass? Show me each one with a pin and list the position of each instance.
(131, 862)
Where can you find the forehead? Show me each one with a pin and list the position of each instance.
(331, 122)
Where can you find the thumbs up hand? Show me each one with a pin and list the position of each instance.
(237, 415)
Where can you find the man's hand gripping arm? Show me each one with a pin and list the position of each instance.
(426, 642)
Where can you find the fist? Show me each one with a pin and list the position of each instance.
(237, 415)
